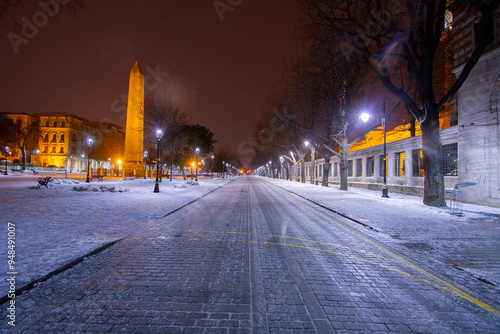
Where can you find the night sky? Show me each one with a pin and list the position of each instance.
(220, 72)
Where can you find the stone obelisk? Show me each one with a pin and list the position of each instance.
(134, 130)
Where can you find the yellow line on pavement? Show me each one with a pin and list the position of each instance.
(447, 286)
(454, 290)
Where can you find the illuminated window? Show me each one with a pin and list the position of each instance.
(46, 138)
(349, 168)
(399, 164)
(54, 138)
(359, 167)
(417, 163)
(382, 160)
(53, 149)
(61, 139)
(370, 168)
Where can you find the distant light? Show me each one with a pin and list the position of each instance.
(119, 161)
(364, 117)
(306, 143)
(159, 134)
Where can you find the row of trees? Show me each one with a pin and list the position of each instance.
(352, 52)
(180, 139)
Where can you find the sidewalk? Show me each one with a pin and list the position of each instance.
(56, 225)
(464, 249)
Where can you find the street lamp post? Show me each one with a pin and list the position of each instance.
(384, 187)
(6, 152)
(212, 166)
(145, 158)
(364, 117)
(159, 134)
(197, 151)
(223, 168)
(89, 143)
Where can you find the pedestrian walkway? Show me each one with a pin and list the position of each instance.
(250, 257)
(465, 249)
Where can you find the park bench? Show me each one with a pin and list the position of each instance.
(17, 171)
(44, 181)
(100, 178)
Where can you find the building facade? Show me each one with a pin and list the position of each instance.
(62, 142)
(471, 143)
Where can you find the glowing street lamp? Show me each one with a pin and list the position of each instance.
(89, 143)
(197, 151)
(119, 162)
(159, 134)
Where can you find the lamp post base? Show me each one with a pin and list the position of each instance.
(385, 191)
(157, 188)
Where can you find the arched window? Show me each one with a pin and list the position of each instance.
(46, 138)
(47, 124)
(53, 149)
(55, 124)
(63, 124)
(61, 139)
(54, 138)
(61, 149)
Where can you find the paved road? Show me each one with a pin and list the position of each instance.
(250, 258)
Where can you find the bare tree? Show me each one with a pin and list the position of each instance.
(164, 115)
(403, 35)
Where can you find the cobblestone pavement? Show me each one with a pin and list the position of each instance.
(250, 258)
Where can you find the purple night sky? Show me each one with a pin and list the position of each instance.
(220, 72)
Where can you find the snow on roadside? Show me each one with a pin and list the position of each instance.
(68, 219)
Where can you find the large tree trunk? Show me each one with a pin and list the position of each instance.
(23, 151)
(326, 172)
(343, 171)
(313, 165)
(433, 161)
(302, 172)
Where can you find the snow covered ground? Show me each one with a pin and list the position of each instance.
(433, 236)
(70, 218)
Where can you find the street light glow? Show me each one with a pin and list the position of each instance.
(364, 117)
